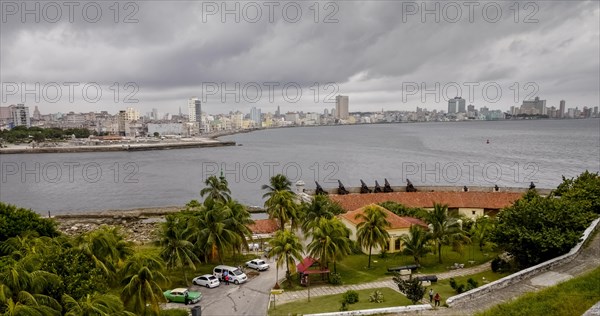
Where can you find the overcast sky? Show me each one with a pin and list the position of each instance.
(379, 53)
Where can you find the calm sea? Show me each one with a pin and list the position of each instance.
(518, 153)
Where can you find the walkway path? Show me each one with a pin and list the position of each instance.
(587, 260)
(387, 282)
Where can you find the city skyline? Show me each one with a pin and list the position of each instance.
(133, 61)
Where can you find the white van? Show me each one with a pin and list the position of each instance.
(235, 274)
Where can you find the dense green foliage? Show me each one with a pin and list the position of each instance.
(24, 135)
(15, 221)
(535, 229)
(446, 230)
(583, 191)
(412, 288)
(350, 297)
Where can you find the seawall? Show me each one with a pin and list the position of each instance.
(118, 147)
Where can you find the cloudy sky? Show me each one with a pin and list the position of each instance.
(387, 55)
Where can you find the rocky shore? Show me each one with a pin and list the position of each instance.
(139, 225)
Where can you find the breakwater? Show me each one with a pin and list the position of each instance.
(116, 147)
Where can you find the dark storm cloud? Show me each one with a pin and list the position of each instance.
(371, 51)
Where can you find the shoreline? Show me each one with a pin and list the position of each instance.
(125, 146)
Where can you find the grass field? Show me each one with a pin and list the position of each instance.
(443, 286)
(332, 303)
(572, 297)
(353, 268)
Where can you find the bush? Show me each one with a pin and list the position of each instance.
(344, 306)
(350, 297)
(412, 288)
(174, 312)
(460, 288)
(335, 279)
(500, 265)
(14, 221)
(376, 297)
(471, 284)
(453, 283)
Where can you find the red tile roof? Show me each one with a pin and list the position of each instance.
(396, 221)
(305, 264)
(264, 226)
(488, 200)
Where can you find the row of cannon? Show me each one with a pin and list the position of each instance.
(386, 188)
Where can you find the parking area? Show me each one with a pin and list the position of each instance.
(249, 298)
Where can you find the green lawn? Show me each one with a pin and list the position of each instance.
(572, 297)
(332, 303)
(353, 268)
(443, 286)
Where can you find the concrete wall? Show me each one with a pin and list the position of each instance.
(523, 274)
(376, 311)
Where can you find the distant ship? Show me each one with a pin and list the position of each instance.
(488, 141)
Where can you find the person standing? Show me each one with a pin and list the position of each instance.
(431, 295)
(437, 299)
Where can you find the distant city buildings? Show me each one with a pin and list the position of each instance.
(20, 115)
(533, 107)
(456, 105)
(341, 107)
(130, 123)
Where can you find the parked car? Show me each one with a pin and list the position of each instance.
(257, 264)
(207, 280)
(235, 274)
(182, 295)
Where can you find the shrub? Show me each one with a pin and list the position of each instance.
(344, 306)
(453, 283)
(350, 297)
(471, 284)
(412, 288)
(376, 297)
(460, 288)
(500, 265)
(174, 312)
(335, 279)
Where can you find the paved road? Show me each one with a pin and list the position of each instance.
(250, 298)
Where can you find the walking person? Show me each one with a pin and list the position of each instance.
(437, 299)
(226, 277)
(431, 295)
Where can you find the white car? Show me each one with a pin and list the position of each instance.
(257, 264)
(207, 280)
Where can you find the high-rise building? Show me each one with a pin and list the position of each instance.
(194, 109)
(455, 104)
(20, 115)
(342, 107)
(121, 119)
(561, 110)
(255, 116)
(278, 112)
(132, 114)
(534, 107)
(155, 114)
(595, 111)
(471, 108)
(326, 112)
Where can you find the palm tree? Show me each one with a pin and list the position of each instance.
(319, 207)
(287, 247)
(177, 251)
(107, 247)
(209, 229)
(481, 230)
(139, 260)
(278, 182)
(94, 305)
(371, 231)
(415, 244)
(329, 241)
(280, 203)
(24, 289)
(238, 222)
(216, 189)
(445, 229)
(143, 294)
